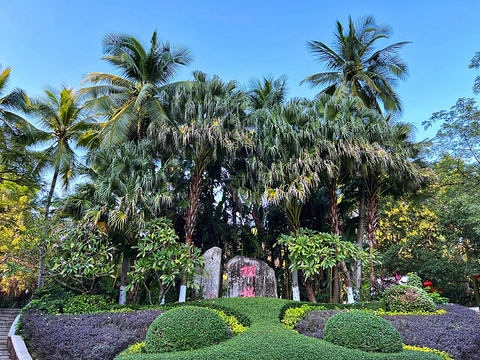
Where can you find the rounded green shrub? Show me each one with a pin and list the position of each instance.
(362, 331)
(408, 299)
(185, 328)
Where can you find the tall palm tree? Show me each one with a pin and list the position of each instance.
(204, 128)
(354, 67)
(398, 167)
(131, 101)
(63, 123)
(343, 126)
(288, 165)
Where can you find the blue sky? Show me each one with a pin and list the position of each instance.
(53, 42)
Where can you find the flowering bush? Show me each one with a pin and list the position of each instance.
(408, 298)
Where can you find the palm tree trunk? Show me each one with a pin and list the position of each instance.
(372, 224)
(333, 216)
(191, 221)
(43, 249)
(126, 262)
(360, 231)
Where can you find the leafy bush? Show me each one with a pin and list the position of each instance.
(408, 298)
(437, 298)
(50, 299)
(99, 336)
(185, 328)
(362, 331)
(294, 315)
(84, 304)
(414, 280)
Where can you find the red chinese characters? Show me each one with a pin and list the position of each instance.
(249, 272)
(249, 291)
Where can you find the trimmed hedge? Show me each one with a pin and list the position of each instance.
(268, 339)
(362, 331)
(185, 328)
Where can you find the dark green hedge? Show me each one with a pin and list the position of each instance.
(185, 328)
(362, 331)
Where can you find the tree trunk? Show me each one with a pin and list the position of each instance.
(191, 221)
(348, 283)
(336, 285)
(43, 249)
(333, 216)
(296, 288)
(310, 292)
(360, 232)
(126, 263)
(475, 291)
(372, 225)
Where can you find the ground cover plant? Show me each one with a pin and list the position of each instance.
(98, 336)
(456, 332)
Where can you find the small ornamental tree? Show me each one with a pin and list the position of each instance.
(311, 251)
(162, 258)
(76, 255)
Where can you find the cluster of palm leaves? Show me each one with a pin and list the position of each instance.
(155, 146)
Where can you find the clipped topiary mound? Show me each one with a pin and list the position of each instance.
(408, 299)
(185, 328)
(362, 331)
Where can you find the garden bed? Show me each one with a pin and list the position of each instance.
(456, 332)
(103, 335)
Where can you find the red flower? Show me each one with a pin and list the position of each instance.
(427, 283)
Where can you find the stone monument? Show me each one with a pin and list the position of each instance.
(250, 278)
(210, 282)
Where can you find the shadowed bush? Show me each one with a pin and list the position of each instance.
(185, 328)
(362, 331)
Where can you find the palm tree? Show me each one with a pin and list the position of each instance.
(343, 127)
(267, 92)
(17, 163)
(354, 67)
(63, 123)
(131, 101)
(204, 128)
(128, 190)
(398, 167)
(287, 164)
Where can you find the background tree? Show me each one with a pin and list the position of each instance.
(205, 128)
(354, 67)
(131, 101)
